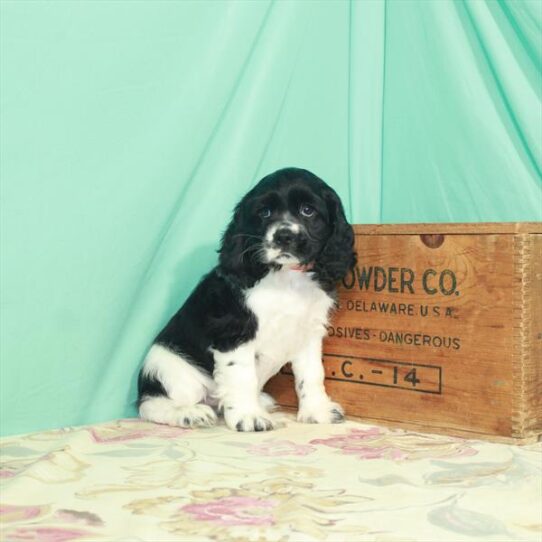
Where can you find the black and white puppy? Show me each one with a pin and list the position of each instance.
(266, 303)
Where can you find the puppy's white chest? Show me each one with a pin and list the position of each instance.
(291, 309)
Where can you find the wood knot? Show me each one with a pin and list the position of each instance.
(432, 240)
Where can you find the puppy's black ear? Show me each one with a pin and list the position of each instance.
(232, 245)
(238, 251)
(338, 256)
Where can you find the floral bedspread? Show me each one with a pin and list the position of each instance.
(129, 480)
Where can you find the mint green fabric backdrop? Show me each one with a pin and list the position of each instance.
(131, 128)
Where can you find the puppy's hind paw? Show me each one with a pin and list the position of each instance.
(196, 416)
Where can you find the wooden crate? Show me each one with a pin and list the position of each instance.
(439, 329)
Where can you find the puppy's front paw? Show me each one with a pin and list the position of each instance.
(323, 412)
(248, 421)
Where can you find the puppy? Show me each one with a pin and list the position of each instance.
(266, 303)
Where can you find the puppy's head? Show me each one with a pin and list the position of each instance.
(291, 218)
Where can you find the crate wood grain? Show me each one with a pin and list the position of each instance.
(439, 329)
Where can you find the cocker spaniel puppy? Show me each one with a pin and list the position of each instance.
(266, 303)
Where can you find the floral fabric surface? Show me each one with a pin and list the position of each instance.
(129, 480)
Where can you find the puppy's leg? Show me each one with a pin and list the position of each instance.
(267, 402)
(314, 404)
(265, 369)
(172, 390)
(238, 390)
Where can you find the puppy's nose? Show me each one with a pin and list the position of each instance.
(284, 237)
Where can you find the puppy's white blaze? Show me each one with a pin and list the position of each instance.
(184, 383)
(270, 233)
(294, 227)
(273, 254)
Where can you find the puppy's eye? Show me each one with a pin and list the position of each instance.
(265, 212)
(307, 210)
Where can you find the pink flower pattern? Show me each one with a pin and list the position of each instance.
(127, 430)
(46, 534)
(233, 511)
(376, 443)
(11, 512)
(275, 448)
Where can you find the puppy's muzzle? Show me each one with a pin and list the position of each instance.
(285, 239)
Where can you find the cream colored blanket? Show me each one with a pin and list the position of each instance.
(128, 480)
